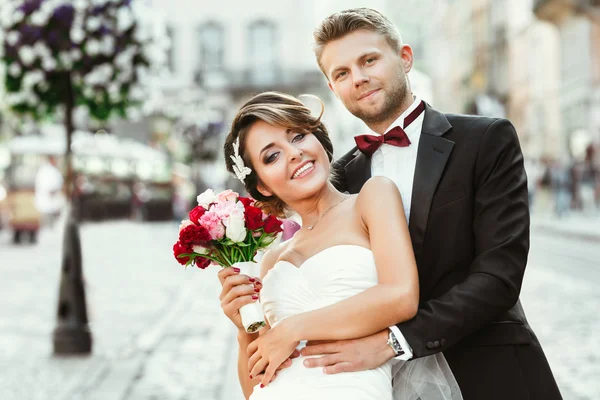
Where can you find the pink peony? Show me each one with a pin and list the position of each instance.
(227, 195)
(212, 222)
(223, 209)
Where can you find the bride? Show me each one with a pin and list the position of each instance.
(348, 273)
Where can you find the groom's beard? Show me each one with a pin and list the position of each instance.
(393, 97)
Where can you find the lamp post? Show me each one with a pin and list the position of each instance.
(63, 54)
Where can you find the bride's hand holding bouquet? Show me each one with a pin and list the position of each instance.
(228, 230)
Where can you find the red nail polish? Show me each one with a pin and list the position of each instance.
(250, 376)
(256, 290)
(236, 269)
(251, 279)
(254, 297)
(262, 386)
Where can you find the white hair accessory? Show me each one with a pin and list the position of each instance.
(240, 170)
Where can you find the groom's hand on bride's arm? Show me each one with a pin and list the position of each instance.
(349, 355)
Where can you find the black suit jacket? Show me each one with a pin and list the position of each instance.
(469, 225)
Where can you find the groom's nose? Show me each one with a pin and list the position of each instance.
(360, 77)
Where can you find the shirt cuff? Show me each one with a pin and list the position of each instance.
(408, 354)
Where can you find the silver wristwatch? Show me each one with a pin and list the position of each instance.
(394, 344)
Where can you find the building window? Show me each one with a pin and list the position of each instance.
(263, 52)
(212, 43)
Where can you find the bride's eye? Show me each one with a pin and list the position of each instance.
(298, 137)
(271, 158)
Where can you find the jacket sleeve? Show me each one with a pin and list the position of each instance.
(501, 237)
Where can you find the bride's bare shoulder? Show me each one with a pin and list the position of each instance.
(376, 187)
(270, 258)
(378, 196)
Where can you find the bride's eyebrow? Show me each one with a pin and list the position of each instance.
(267, 147)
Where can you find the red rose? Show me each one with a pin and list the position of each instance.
(246, 201)
(253, 218)
(178, 249)
(194, 234)
(273, 225)
(202, 262)
(196, 214)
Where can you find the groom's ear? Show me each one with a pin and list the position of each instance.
(406, 53)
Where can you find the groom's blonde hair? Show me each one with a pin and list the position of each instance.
(338, 25)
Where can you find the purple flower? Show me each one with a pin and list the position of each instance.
(30, 6)
(64, 14)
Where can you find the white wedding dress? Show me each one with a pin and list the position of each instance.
(328, 277)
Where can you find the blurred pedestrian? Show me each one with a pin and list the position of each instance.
(561, 183)
(534, 172)
(49, 196)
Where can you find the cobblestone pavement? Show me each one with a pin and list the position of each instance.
(159, 333)
(133, 286)
(561, 298)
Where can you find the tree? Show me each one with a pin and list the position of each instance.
(96, 54)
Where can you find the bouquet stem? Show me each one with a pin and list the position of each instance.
(252, 314)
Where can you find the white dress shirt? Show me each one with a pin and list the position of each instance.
(398, 164)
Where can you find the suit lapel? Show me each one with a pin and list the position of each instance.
(432, 156)
(358, 171)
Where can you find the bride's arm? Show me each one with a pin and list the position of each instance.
(395, 298)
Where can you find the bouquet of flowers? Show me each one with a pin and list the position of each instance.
(227, 230)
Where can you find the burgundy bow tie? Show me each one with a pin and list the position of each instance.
(368, 144)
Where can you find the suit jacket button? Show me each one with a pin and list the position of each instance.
(443, 342)
(436, 344)
(429, 345)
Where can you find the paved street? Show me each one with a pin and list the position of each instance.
(157, 328)
(159, 334)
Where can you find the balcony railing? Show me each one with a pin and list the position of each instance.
(556, 10)
(253, 80)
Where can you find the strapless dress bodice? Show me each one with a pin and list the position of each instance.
(330, 276)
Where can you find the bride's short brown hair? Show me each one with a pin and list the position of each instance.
(276, 109)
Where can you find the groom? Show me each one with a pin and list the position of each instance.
(464, 190)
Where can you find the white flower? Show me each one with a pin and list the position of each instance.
(18, 16)
(76, 54)
(199, 249)
(12, 38)
(80, 5)
(32, 99)
(42, 50)
(14, 69)
(206, 198)
(88, 92)
(32, 78)
(43, 86)
(65, 59)
(77, 34)
(40, 18)
(93, 24)
(137, 93)
(108, 45)
(93, 47)
(235, 228)
(124, 19)
(27, 55)
(14, 98)
(133, 114)
(49, 64)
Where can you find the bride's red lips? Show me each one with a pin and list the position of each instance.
(300, 166)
